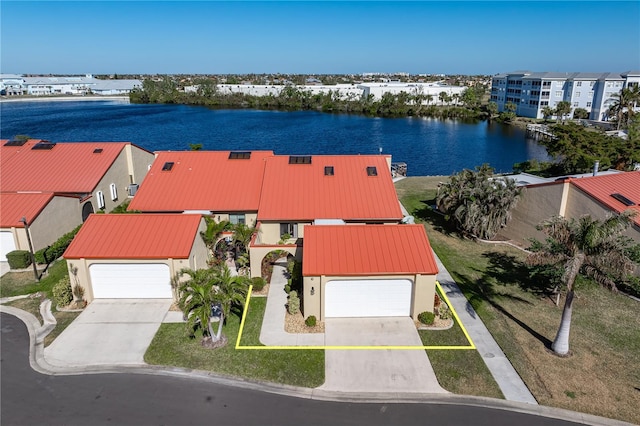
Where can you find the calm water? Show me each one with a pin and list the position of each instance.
(428, 146)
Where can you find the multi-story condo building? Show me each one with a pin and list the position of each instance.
(531, 92)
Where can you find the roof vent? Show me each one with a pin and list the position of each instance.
(167, 166)
(16, 142)
(328, 170)
(44, 145)
(97, 151)
(240, 155)
(372, 171)
(299, 159)
(624, 200)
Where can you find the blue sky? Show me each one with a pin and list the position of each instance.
(318, 37)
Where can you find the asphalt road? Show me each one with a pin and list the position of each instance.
(31, 398)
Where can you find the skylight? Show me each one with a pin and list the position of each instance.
(240, 155)
(299, 159)
(97, 151)
(44, 145)
(328, 170)
(16, 142)
(167, 166)
(624, 200)
(372, 171)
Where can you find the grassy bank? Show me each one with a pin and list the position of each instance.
(600, 377)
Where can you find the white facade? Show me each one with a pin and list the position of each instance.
(531, 92)
(75, 85)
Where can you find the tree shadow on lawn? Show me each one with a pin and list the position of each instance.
(483, 290)
(428, 213)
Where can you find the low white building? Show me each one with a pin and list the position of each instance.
(12, 84)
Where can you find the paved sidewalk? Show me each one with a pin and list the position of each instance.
(501, 369)
(272, 332)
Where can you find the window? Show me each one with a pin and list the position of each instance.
(579, 83)
(114, 191)
(300, 159)
(372, 171)
(167, 166)
(100, 199)
(544, 103)
(558, 93)
(328, 170)
(237, 218)
(289, 228)
(575, 104)
(97, 151)
(578, 94)
(240, 155)
(588, 104)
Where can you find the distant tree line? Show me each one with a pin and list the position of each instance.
(467, 105)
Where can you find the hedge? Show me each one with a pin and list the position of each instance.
(55, 250)
(19, 259)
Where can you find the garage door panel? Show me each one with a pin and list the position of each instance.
(131, 281)
(368, 298)
(7, 244)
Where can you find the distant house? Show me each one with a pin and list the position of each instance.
(135, 255)
(597, 196)
(56, 186)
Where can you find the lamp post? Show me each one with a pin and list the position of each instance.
(33, 257)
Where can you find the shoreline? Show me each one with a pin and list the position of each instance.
(64, 98)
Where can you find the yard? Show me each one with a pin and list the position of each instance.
(172, 346)
(600, 377)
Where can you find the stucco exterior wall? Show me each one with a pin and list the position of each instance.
(580, 204)
(139, 161)
(60, 216)
(118, 174)
(257, 253)
(249, 217)
(422, 294)
(536, 204)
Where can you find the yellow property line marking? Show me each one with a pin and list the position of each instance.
(246, 309)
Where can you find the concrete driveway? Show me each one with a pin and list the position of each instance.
(109, 331)
(4, 268)
(382, 370)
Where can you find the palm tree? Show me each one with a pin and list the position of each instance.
(213, 232)
(623, 107)
(547, 112)
(476, 202)
(563, 108)
(242, 235)
(205, 289)
(589, 246)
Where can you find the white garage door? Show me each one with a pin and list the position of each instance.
(367, 298)
(7, 244)
(130, 281)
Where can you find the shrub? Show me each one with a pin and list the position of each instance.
(19, 259)
(310, 321)
(444, 312)
(78, 293)
(436, 301)
(294, 303)
(287, 288)
(258, 283)
(55, 250)
(62, 293)
(427, 318)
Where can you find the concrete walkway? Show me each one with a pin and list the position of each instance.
(4, 268)
(501, 369)
(272, 332)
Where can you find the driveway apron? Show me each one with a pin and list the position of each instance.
(380, 370)
(109, 331)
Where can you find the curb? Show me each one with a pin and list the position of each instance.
(40, 364)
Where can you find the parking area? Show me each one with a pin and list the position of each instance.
(109, 331)
(380, 370)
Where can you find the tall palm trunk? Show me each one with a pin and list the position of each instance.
(219, 333)
(561, 343)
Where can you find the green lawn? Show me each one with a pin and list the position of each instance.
(600, 377)
(172, 346)
(18, 283)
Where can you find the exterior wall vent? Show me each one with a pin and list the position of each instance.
(299, 159)
(372, 171)
(328, 170)
(240, 155)
(624, 200)
(167, 166)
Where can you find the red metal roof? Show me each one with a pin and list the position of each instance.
(15, 205)
(202, 180)
(135, 236)
(366, 250)
(67, 167)
(601, 188)
(304, 192)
